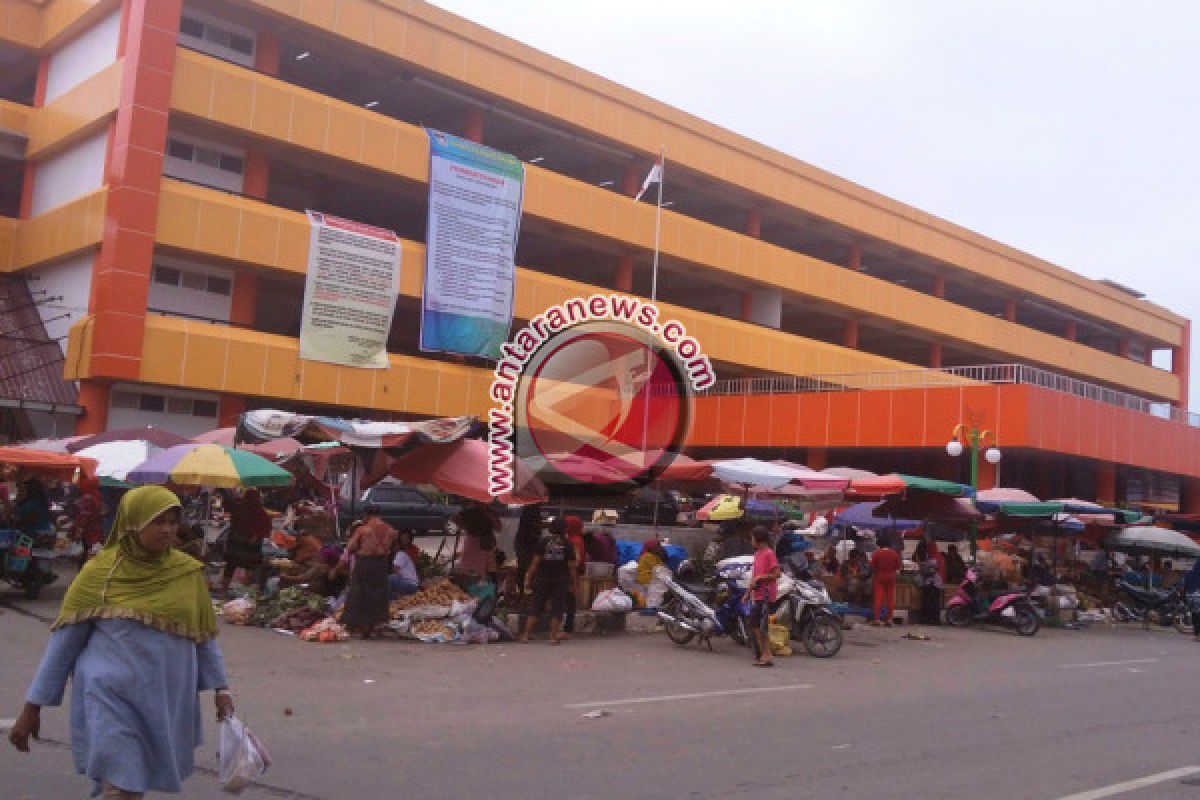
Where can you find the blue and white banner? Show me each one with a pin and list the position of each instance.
(471, 244)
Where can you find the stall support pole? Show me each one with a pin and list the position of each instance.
(974, 488)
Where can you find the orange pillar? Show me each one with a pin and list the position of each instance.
(935, 355)
(746, 313)
(1072, 330)
(229, 409)
(266, 52)
(1189, 495)
(137, 138)
(939, 286)
(1010, 310)
(631, 179)
(257, 175)
(473, 125)
(818, 458)
(623, 278)
(850, 334)
(93, 396)
(243, 304)
(1123, 346)
(1180, 358)
(854, 257)
(754, 223)
(1106, 483)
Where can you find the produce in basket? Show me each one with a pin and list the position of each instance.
(286, 600)
(239, 611)
(297, 619)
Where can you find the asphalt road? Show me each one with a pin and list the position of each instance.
(970, 714)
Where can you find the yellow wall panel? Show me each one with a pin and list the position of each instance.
(355, 387)
(205, 360)
(310, 121)
(345, 133)
(69, 229)
(15, 117)
(378, 144)
(76, 112)
(8, 242)
(319, 13)
(231, 97)
(20, 24)
(61, 18)
(356, 21)
(247, 365)
(218, 229)
(272, 114)
(259, 242)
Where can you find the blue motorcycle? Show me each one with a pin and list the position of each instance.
(715, 608)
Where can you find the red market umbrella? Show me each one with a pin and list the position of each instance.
(58, 466)
(223, 436)
(1005, 495)
(462, 468)
(155, 436)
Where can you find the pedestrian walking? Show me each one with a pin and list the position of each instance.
(135, 635)
(763, 577)
(885, 566)
(1191, 588)
(371, 544)
(551, 576)
(575, 537)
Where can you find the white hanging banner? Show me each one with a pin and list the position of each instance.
(470, 246)
(350, 294)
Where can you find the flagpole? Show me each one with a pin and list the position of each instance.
(662, 169)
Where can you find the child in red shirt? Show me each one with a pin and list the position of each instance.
(762, 590)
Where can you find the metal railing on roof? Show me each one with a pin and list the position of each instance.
(952, 377)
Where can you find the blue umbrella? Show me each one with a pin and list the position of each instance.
(861, 515)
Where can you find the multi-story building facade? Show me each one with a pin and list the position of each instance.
(157, 157)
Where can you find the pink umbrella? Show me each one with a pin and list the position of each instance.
(219, 436)
(462, 468)
(811, 479)
(1005, 495)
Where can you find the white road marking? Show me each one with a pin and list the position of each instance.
(633, 701)
(1109, 663)
(6, 724)
(1129, 786)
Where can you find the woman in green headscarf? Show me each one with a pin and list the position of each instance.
(136, 636)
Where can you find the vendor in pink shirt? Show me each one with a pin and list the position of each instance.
(762, 591)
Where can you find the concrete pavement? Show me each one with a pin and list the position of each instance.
(969, 714)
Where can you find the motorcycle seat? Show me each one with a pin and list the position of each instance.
(1148, 596)
(701, 590)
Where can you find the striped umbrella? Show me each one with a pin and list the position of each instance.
(213, 465)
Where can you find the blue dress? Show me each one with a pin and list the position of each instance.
(135, 709)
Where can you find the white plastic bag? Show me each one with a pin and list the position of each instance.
(241, 757)
(612, 600)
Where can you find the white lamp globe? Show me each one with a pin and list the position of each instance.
(954, 448)
(992, 455)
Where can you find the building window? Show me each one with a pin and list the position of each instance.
(166, 276)
(203, 162)
(222, 286)
(152, 402)
(124, 400)
(204, 408)
(217, 37)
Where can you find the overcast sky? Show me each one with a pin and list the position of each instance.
(1070, 130)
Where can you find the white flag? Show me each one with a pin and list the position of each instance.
(653, 176)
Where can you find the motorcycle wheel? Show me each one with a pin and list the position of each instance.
(676, 633)
(823, 637)
(959, 616)
(1026, 622)
(32, 583)
(739, 633)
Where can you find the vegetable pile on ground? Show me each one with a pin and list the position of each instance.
(325, 631)
(269, 609)
(438, 593)
(298, 619)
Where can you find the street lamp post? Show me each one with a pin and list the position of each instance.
(975, 439)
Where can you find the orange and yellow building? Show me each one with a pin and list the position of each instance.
(157, 157)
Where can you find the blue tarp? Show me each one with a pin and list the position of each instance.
(628, 550)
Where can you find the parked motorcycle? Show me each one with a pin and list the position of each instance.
(1011, 609)
(1166, 606)
(19, 567)
(806, 608)
(715, 608)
